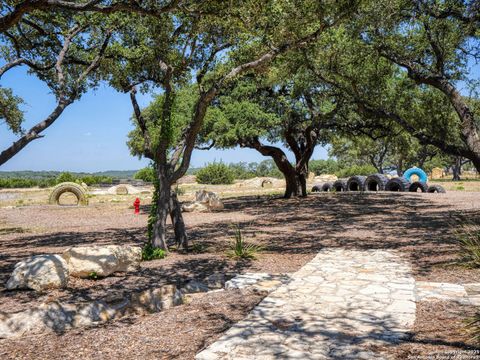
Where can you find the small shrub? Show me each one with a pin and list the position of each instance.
(146, 174)
(94, 180)
(242, 250)
(151, 253)
(216, 174)
(320, 167)
(93, 275)
(65, 177)
(356, 170)
(470, 246)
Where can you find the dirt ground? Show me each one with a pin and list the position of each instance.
(420, 227)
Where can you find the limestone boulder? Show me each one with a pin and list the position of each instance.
(193, 287)
(194, 207)
(204, 196)
(215, 204)
(92, 313)
(216, 281)
(207, 204)
(40, 272)
(25, 322)
(154, 300)
(102, 261)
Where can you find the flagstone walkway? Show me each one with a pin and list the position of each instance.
(335, 307)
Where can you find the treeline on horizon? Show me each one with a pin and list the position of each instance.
(239, 171)
(43, 179)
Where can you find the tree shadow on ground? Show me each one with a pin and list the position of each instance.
(413, 225)
(340, 335)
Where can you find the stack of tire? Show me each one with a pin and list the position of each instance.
(379, 182)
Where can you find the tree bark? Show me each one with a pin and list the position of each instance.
(163, 206)
(293, 187)
(181, 238)
(400, 166)
(457, 169)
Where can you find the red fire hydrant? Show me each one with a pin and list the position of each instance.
(136, 205)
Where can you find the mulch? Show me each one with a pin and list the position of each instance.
(419, 227)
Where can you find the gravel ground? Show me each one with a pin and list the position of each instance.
(439, 333)
(421, 227)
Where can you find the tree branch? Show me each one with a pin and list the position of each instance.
(142, 124)
(33, 133)
(28, 6)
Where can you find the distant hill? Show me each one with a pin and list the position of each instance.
(116, 174)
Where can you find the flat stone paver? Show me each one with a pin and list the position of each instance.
(467, 294)
(333, 308)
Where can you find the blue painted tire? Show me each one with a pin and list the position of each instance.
(422, 175)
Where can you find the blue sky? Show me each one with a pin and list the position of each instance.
(91, 134)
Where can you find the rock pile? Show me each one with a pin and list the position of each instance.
(43, 272)
(57, 317)
(204, 201)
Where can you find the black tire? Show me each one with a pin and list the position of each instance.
(418, 185)
(327, 187)
(375, 182)
(340, 185)
(356, 183)
(436, 189)
(73, 188)
(398, 184)
(317, 188)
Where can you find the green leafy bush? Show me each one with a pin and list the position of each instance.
(241, 249)
(95, 179)
(151, 253)
(269, 169)
(216, 174)
(320, 167)
(356, 170)
(146, 174)
(14, 183)
(242, 170)
(65, 177)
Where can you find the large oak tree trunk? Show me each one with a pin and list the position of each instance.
(163, 208)
(293, 187)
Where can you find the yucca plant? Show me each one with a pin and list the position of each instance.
(470, 247)
(473, 327)
(242, 250)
